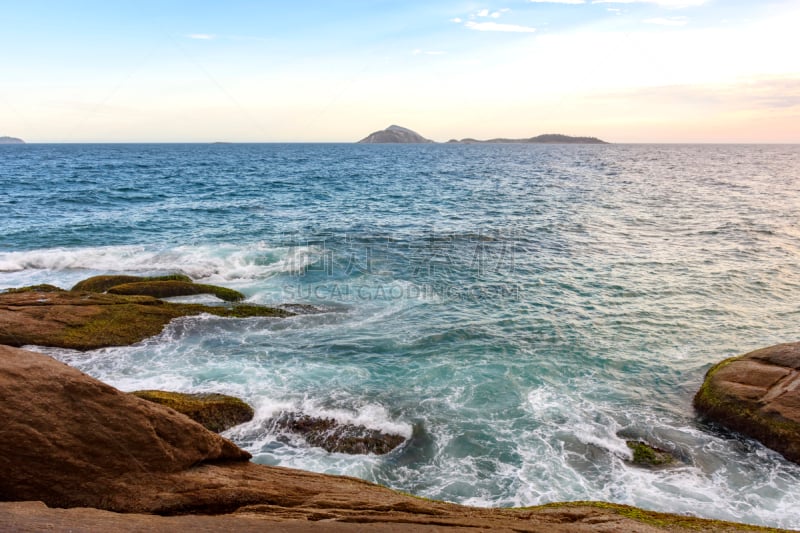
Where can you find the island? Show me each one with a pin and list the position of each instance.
(11, 140)
(400, 135)
(548, 138)
(393, 135)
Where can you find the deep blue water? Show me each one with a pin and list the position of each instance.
(518, 311)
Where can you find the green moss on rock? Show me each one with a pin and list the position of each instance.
(646, 455)
(656, 519)
(169, 289)
(103, 283)
(34, 288)
(216, 412)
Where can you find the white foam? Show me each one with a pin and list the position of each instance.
(224, 262)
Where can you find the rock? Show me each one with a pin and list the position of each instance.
(216, 412)
(758, 395)
(646, 455)
(72, 442)
(394, 134)
(103, 283)
(35, 288)
(86, 321)
(336, 437)
(11, 140)
(168, 289)
(68, 439)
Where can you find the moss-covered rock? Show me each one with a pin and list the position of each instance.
(216, 412)
(35, 288)
(758, 395)
(336, 437)
(169, 289)
(86, 321)
(103, 283)
(646, 455)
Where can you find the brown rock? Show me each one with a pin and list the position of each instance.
(68, 439)
(85, 320)
(758, 395)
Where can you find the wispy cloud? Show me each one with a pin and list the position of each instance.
(559, 1)
(419, 51)
(474, 22)
(497, 26)
(670, 21)
(492, 14)
(201, 36)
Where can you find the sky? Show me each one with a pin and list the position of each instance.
(334, 71)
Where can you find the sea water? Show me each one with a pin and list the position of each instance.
(517, 311)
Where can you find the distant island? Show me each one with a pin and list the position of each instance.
(399, 134)
(548, 138)
(394, 134)
(11, 140)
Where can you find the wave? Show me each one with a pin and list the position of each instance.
(224, 262)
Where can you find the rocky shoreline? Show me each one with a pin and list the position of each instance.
(81, 455)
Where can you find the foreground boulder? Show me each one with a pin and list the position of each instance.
(68, 439)
(758, 395)
(216, 412)
(336, 437)
(87, 320)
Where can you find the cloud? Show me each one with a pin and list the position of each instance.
(558, 1)
(496, 26)
(486, 13)
(457, 20)
(201, 36)
(671, 21)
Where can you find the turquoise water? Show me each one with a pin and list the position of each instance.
(517, 311)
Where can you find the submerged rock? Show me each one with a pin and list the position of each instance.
(169, 289)
(216, 412)
(647, 455)
(336, 437)
(103, 283)
(758, 395)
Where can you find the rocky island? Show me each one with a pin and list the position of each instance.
(11, 140)
(393, 135)
(548, 138)
(400, 135)
(77, 454)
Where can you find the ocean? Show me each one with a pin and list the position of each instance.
(517, 311)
